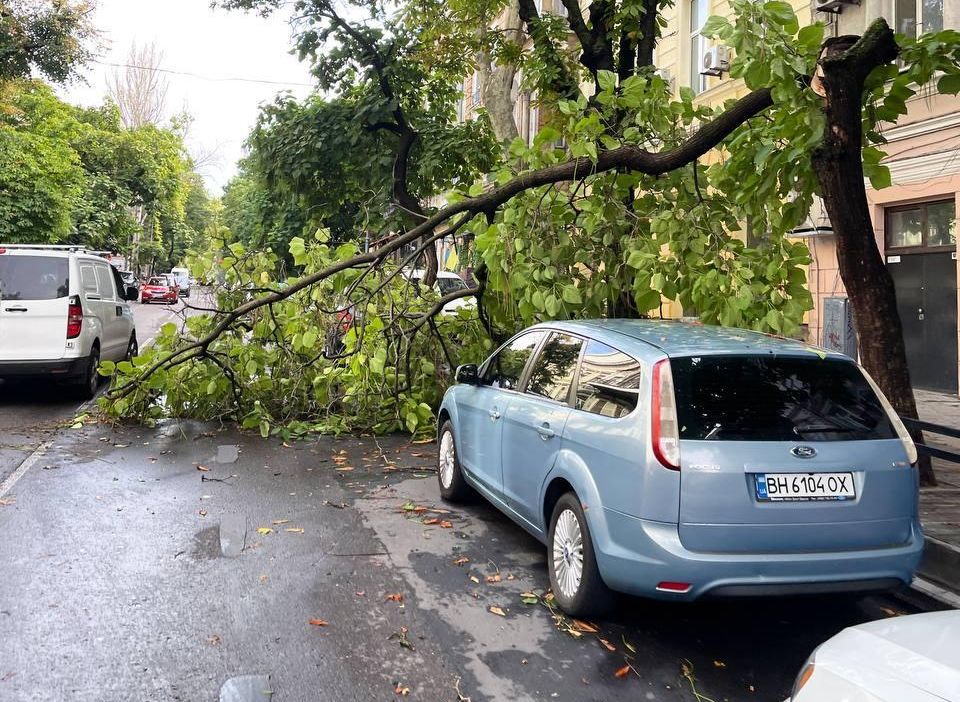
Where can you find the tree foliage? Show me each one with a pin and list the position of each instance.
(52, 38)
(630, 195)
(77, 175)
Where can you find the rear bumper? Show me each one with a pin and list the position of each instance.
(61, 368)
(635, 555)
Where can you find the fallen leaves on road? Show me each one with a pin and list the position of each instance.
(401, 690)
(318, 622)
(395, 597)
(294, 530)
(623, 672)
(264, 530)
(585, 627)
(495, 578)
(345, 469)
(461, 561)
(202, 513)
(278, 522)
(360, 593)
(401, 637)
(7, 501)
(202, 469)
(719, 664)
(213, 639)
(475, 579)
(607, 645)
(498, 611)
(686, 669)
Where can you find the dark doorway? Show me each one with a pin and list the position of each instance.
(921, 257)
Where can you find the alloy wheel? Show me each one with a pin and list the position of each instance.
(568, 553)
(448, 457)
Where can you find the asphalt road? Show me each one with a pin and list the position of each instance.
(30, 412)
(143, 565)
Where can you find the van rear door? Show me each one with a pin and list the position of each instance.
(784, 454)
(33, 306)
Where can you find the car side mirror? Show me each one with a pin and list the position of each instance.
(467, 374)
(132, 293)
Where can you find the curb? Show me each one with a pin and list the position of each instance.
(940, 564)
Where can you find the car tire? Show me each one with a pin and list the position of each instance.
(571, 561)
(90, 381)
(453, 486)
(133, 348)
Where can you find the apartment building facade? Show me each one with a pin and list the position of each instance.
(914, 220)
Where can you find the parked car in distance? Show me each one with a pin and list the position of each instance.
(182, 277)
(62, 311)
(915, 658)
(130, 280)
(445, 284)
(677, 461)
(158, 289)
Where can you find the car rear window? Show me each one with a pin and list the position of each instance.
(769, 398)
(34, 277)
(160, 282)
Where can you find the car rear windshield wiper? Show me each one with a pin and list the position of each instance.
(820, 428)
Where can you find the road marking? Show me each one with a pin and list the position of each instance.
(919, 584)
(12, 479)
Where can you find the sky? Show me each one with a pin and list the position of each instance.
(213, 45)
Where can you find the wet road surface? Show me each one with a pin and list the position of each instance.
(130, 573)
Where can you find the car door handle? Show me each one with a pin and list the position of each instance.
(16, 309)
(545, 431)
(119, 311)
(494, 414)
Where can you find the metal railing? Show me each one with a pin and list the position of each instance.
(930, 427)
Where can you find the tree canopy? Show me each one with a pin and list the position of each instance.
(629, 195)
(52, 38)
(77, 175)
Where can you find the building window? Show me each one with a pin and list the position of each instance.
(698, 44)
(476, 88)
(915, 17)
(925, 225)
(534, 119)
(460, 105)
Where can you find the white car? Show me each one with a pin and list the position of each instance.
(62, 311)
(447, 283)
(915, 658)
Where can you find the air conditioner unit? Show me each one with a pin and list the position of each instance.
(834, 6)
(716, 61)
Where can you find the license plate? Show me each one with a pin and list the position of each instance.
(798, 487)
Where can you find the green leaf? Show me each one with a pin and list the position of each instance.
(716, 26)
(607, 80)
(811, 37)
(572, 295)
(880, 177)
(949, 84)
(309, 338)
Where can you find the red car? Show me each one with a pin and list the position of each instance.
(158, 289)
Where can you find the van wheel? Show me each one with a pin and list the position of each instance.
(133, 349)
(90, 382)
(453, 486)
(571, 561)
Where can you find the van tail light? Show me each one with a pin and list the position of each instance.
(74, 318)
(665, 432)
(902, 433)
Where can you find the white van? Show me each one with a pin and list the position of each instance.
(182, 276)
(62, 310)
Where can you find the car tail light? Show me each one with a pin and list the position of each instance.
(346, 319)
(74, 318)
(670, 586)
(908, 446)
(665, 433)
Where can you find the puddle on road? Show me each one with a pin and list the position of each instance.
(246, 688)
(206, 544)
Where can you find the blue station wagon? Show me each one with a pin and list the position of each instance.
(679, 461)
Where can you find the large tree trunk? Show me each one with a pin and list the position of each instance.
(846, 62)
(496, 81)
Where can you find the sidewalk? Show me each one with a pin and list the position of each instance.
(940, 506)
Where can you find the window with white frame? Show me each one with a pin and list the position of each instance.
(698, 44)
(460, 101)
(915, 17)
